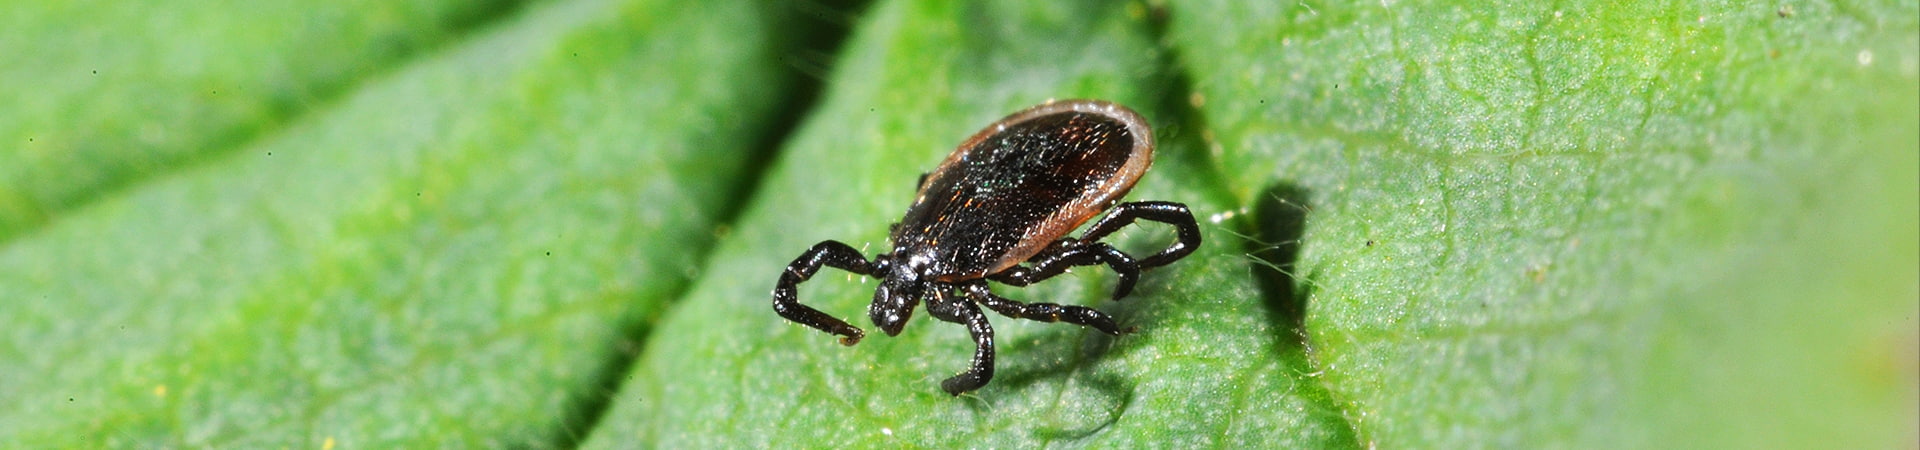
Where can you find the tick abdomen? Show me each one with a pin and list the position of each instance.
(1015, 189)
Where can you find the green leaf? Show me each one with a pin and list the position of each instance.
(101, 97)
(457, 254)
(1427, 224)
(1593, 224)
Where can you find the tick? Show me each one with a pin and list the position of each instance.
(999, 208)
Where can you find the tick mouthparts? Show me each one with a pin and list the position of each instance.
(892, 304)
(893, 328)
(888, 317)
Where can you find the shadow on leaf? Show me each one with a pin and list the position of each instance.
(1279, 219)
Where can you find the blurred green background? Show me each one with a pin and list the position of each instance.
(1428, 224)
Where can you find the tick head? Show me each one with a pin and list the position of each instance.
(893, 302)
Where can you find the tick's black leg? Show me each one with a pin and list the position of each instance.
(951, 308)
(1068, 253)
(828, 253)
(1045, 312)
(1054, 260)
(1169, 213)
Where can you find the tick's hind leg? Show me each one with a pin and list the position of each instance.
(948, 307)
(827, 253)
(1045, 312)
(1065, 254)
(1170, 213)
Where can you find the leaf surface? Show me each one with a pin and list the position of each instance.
(1426, 224)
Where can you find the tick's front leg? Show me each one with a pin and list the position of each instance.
(951, 308)
(827, 253)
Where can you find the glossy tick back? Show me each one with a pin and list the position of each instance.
(999, 208)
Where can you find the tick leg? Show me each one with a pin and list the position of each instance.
(1067, 253)
(828, 253)
(1169, 213)
(947, 307)
(1045, 312)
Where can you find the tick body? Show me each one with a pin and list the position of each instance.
(1000, 208)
